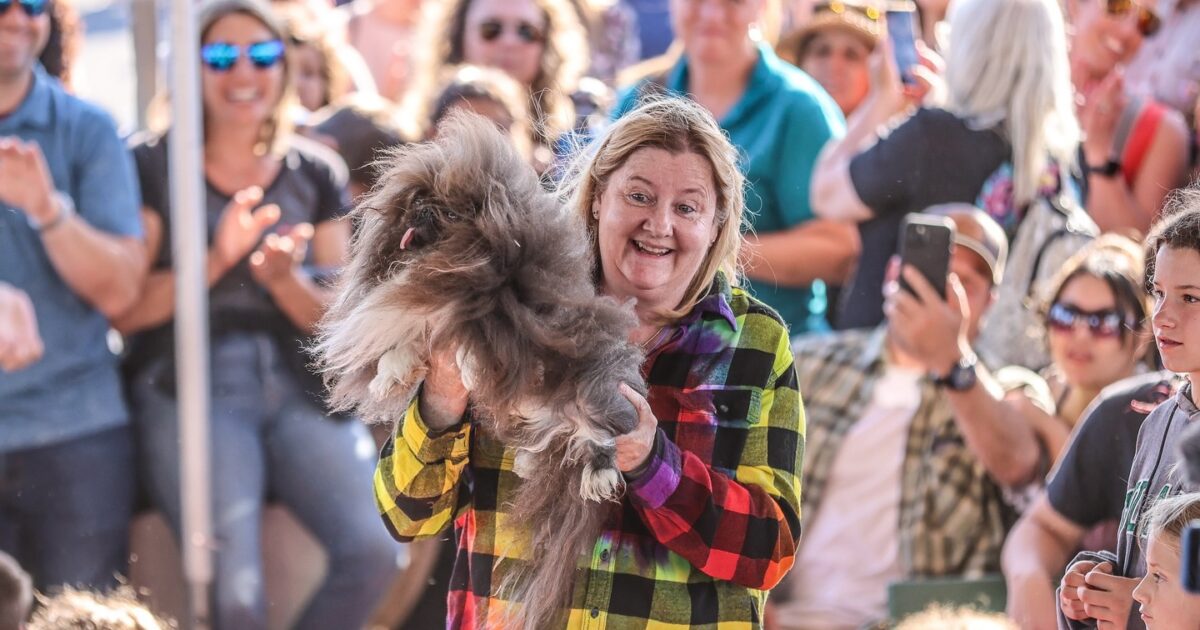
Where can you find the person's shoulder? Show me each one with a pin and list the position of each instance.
(145, 143)
(85, 116)
(1127, 401)
(313, 158)
(798, 91)
(754, 312)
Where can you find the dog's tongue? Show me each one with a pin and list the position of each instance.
(408, 236)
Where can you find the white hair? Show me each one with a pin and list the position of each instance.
(1007, 64)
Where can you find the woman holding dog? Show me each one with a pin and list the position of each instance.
(272, 200)
(709, 520)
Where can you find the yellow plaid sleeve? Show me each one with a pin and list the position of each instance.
(418, 477)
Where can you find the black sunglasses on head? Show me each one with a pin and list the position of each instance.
(491, 30)
(1102, 324)
(32, 8)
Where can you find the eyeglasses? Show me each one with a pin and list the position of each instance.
(837, 6)
(1104, 324)
(491, 30)
(1147, 20)
(221, 56)
(32, 8)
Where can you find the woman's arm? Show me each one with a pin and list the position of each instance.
(1113, 204)
(743, 529)
(1036, 552)
(417, 478)
(277, 267)
(240, 228)
(814, 250)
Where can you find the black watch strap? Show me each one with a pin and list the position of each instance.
(1109, 169)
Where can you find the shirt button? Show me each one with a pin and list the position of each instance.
(604, 555)
(595, 613)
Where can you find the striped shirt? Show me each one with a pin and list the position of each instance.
(700, 536)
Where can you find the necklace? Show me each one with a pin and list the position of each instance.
(645, 345)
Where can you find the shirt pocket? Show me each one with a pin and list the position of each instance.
(715, 424)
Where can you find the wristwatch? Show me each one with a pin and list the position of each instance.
(1108, 169)
(961, 377)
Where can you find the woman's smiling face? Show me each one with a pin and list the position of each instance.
(656, 223)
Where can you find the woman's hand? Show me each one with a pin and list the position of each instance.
(634, 448)
(20, 345)
(443, 396)
(1099, 116)
(280, 254)
(1073, 582)
(240, 227)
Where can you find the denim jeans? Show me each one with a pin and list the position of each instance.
(269, 441)
(65, 509)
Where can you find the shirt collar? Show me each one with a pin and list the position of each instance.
(34, 111)
(764, 80)
(715, 303)
(873, 351)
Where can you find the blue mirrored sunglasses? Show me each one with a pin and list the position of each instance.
(32, 8)
(221, 56)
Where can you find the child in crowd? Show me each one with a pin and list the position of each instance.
(1097, 591)
(1164, 603)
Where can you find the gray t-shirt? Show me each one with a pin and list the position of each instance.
(1155, 474)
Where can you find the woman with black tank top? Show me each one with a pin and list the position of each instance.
(272, 204)
(1008, 120)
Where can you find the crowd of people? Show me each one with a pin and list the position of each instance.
(824, 430)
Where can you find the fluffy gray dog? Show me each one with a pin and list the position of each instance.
(458, 246)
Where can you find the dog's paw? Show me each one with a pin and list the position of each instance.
(524, 464)
(467, 368)
(600, 485)
(394, 367)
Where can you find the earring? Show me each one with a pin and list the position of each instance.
(595, 214)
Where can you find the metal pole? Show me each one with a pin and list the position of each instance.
(144, 14)
(188, 238)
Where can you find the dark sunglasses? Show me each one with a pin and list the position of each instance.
(1147, 20)
(1107, 323)
(32, 8)
(491, 30)
(221, 56)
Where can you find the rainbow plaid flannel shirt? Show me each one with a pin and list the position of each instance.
(701, 535)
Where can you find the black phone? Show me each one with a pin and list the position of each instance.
(925, 244)
(1190, 574)
(902, 30)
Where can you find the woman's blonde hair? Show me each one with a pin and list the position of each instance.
(676, 125)
(440, 43)
(1168, 517)
(1007, 65)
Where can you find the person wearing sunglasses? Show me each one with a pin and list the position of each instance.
(1095, 324)
(1135, 150)
(539, 43)
(273, 201)
(70, 241)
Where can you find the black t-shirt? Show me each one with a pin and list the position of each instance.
(310, 187)
(932, 158)
(1088, 485)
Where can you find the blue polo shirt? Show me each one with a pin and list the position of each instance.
(75, 389)
(779, 126)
